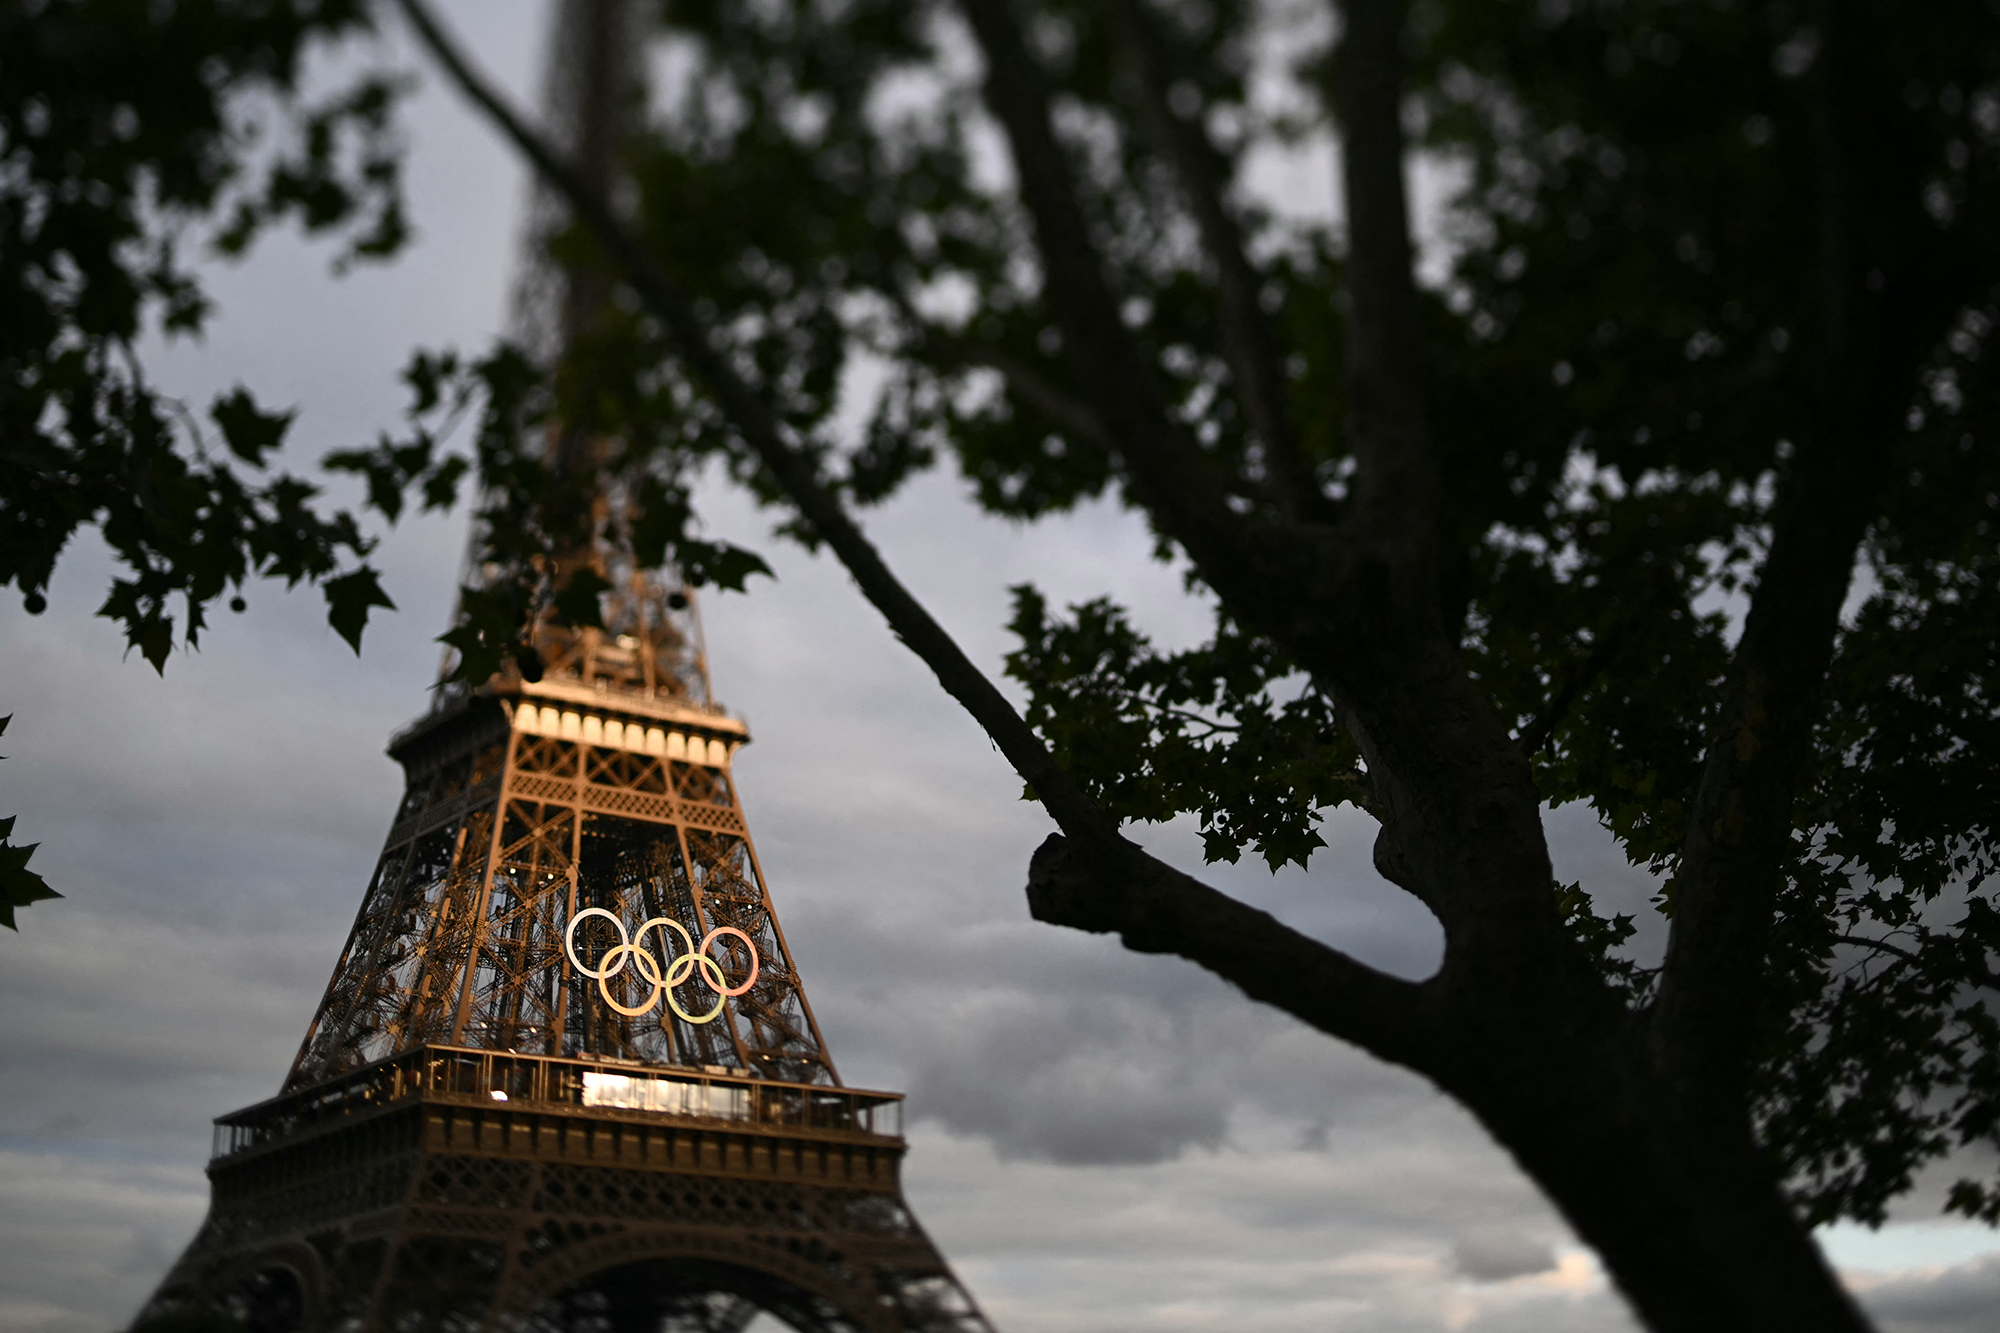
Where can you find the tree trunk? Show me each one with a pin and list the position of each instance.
(1682, 1208)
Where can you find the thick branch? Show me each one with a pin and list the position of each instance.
(1458, 801)
(1246, 334)
(1154, 908)
(1395, 486)
(1740, 826)
(1291, 581)
(1171, 911)
(1178, 485)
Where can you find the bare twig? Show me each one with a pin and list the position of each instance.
(1986, 977)
(1907, 955)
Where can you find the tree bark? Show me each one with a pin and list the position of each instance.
(1688, 1221)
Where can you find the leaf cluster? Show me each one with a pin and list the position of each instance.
(562, 498)
(1213, 731)
(1885, 984)
(127, 131)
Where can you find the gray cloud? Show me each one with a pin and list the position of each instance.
(1495, 1256)
(1961, 1299)
(1079, 1078)
(83, 1241)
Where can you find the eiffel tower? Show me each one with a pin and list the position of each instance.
(565, 1076)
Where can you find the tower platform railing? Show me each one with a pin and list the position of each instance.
(620, 1089)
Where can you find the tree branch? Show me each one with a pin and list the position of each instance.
(1986, 977)
(1171, 911)
(1064, 410)
(1175, 481)
(1359, 614)
(1246, 333)
(1154, 908)
(1907, 955)
(1741, 821)
(1395, 483)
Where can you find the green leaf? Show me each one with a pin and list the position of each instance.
(249, 432)
(19, 886)
(718, 564)
(578, 602)
(153, 636)
(441, 486)
(479, 658)
(490, 627)
(348, 599)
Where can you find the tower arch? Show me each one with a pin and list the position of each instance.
(679, 1284)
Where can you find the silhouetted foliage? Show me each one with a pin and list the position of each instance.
(1671, 490)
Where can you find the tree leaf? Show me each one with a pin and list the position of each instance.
(20, 886)
(579, 602)
(348, 599)
(249, 432)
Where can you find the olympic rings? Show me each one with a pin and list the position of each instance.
(630, 948)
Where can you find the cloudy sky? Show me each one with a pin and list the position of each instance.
(1099, 1141)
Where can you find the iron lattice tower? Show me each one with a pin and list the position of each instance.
(479, 1132)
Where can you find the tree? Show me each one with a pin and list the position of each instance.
(1675, 495)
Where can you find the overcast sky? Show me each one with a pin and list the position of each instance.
(1099, 1140)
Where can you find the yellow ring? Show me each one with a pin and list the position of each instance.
(683, 965)
(648, 967)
